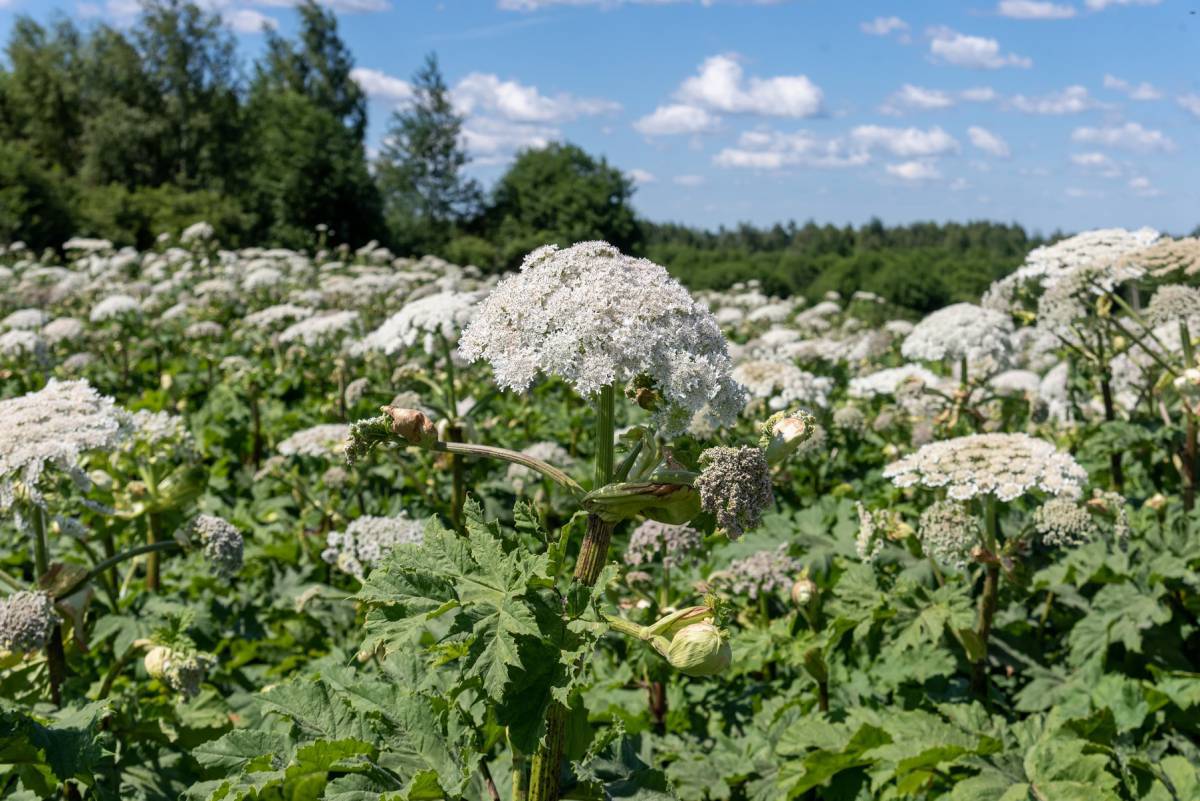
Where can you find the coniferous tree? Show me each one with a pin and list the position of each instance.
(420, 168)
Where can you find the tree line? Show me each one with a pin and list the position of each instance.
(124, 134)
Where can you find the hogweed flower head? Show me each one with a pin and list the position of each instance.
(367, 540)
(1005, 466)
(949, 533)
(1173, 303)
(221, 542)
(735, 487)
(761, 573)
(26, 621)
(594, 318)
(1064, 523)
(652, 539)
(55, 426)
(961, 331)
(320, 441)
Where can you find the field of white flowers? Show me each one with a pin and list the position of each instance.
(341, 525)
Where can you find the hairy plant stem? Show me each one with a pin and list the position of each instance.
(515, 457)
(1189, 448)
(56, 657)
(546, 767)
(458, 490)
(520, 775)
(116, 559)
(987, 604)
(152, 567)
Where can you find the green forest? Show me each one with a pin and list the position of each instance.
(125, 134)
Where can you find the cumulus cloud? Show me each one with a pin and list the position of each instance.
(720, 85)
(882, 26)
(974, 52)
(1190, 103)
(247, 20)
(988, 142)
(914, 171)
(1130, 136)
(904, 142)
(1072, 100)
(773, 150)
(1141, 186)
(382, 86)
(1141, 91)
(640, 176)
(1100, 5)
(1097, 162)
(519, 102)
(1034, 9)
(676, 118)
(494, 141)
(919, 98)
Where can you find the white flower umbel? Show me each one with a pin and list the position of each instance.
(595, 317)
(887, 380)
(367, 540)
(962, 331)
(1005, 466)
(1047, 265)
(115, 306)
(782, 385)
(323, 328)
(444, 314)
(324, 441)
(1172, 303)
(54, 426)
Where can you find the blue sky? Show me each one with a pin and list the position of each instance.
(1065, 114)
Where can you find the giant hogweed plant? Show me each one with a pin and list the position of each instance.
(503, 619)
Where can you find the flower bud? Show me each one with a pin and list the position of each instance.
(183, 672)
(1157, 501)
(783, 433)
(413, 425)
(699, 650)
(804, 590)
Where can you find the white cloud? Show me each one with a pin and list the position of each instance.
(381, 85)
(642, 176)
(914, 171)
(904, 142)
(882, 26)
(919, 98)
(988, 142)
(688, 180)
(1034, 9)
(1142, 187)
(1142, 91)
(720, 86)
(979, 94)
(493, 141)
(1072, 100)
(1100, 5)
(247, 20)
(677, 118)
(519, 102)
(1190, 103)
(770, 150)
(347, 6)
(538, 5)
(1130, 136)
(975, 52)
(1100, 163)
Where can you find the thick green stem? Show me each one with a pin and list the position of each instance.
(116, 559)
(520, 775)
(987, 602)
(152, 566)
(56, 657)
(546, 768)
(515, 457)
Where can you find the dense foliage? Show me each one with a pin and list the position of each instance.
(604, 540)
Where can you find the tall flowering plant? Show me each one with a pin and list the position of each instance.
(519, 632)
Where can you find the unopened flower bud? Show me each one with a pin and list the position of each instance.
(699, 650)
(1157, 501)
(804, 590)
(783, 433)
(183, 672)
(414, 426)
